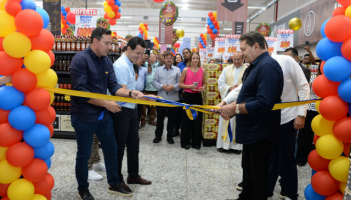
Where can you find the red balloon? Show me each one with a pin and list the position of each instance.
(48, 196)
(213, 36)
(5, 198)
(339, 11)
(71, 17)
(66, 26)
(346, 48)
(4, 116)
(346, 149)
(212, 18)
(141, 32)
(19, 154)
(64, 31)
(118, 15)
(9, 136)
(323, 87)
(115, 8)
(51, 129)
(209, 31)
(64, 22)
(1, 47)
(67, 9)
(43, 41)
(29, 22)
(106, 16)
(345, 3)
(46, 116)
(8, 64)
(332, 26)
(333, 108)
(322, 65)
(37, 99)
(3, 189)
(201, 35)
(210, 14)
(315, 138)
(112, 21)
(217, 32)
(217, 27)
(52, 57)
(13, 8)
(215, 23)
(111, 2)
(45, 185)
(342, 130)
(24, 80)
(35, 171)
(145, 25)
(336, 196)
(324, 184)
(317, 163)
(62, 17)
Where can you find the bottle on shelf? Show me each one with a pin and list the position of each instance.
(68, 63)
(63, 43)
(55, 67)
(60, 64)
(58, 44)
(68, 43)
(54, 47)
(64, 63)
(73, 44)
(113, 45)
(87, 42)
(53, 105)
(78, 44)
(82, 43)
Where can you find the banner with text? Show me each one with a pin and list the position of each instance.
(85, 21)
(53, 8)
(272, 44)
(209, 53)
(232, 45)
(203, 56)
(285, 39)
(219, 48)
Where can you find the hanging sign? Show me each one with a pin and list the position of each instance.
(203, 58)
(264, 29)
(285, 38)
(272, 44)
(232, 45)
(85, 21)
(219, 47)
(209, 52)
(168, 13)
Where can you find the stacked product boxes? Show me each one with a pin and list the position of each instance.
(211, 96)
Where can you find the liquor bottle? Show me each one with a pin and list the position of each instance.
(113, 45)
(58, 44)
(56, 64)
(65, 104)
(82, 44)
(78, 44)
(69, 86)
(73, 44)
(64, 63)
(60, 64)
(69, 106)
(68, 62)
(68, 44)
(54, 47)
(60, 83)
(65, 84)
(54, 103)
(63, 43)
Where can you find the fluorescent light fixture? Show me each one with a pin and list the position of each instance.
(256, 7)
(131, 26)
(178, 27)
(126, 17)
(227, 29)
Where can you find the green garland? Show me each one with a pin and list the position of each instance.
(163, 7)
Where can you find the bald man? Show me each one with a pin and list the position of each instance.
(229, 80)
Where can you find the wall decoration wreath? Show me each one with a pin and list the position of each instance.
(169, 13)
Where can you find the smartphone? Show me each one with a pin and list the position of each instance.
(147, 52)
(307, 43)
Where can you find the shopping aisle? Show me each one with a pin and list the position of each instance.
(175, 173)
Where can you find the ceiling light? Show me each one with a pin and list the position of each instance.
(227, 29)
(126, 17)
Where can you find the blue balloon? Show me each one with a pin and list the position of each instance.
(37, 136)
(28, 4)
(44, 15)
(212, 26)
(209, 23)
(327, 49)
(119, 10)
(204, 46)
(344, 91)
(208, 19)
(323, 27)
(310, 194)
(62, 8)
(313, 172)
(48, 162)
(64, 13)
(214, 31)
(337, 69)
(10, 98)
(45, 152)
(118, 3)
(22, 118)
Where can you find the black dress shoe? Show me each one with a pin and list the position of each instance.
(119, 190)
(301, 164)
(186, 147)
(175, 133)
(157, 140)
(85, 195)
(220, 150)
(170, 141)
(196, 147)
(235, 151)
(240, 186)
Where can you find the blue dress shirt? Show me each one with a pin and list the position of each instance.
(140, 84)
(182, 66)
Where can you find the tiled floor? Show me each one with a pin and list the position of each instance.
(176, 173)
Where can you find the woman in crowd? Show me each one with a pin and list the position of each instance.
(191, 81)
(177, 59)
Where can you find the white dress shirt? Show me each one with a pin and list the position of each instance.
(293, 78)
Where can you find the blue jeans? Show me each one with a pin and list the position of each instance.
(85, 133)
(283, 161)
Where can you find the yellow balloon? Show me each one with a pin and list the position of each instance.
(342, 187)
(329, 147)
(321, 126)
(107, 8)
(7, 24)
(37, 61)
(141, 25)
(339, 168)
(105, 4)
(180, 33)
(295, 24)
(48, 79)
(317, 105)
(8, 173)
(111, 14)
(215, 13)
(20, 189)
(17, 45)
(39, 196)
(348, 11)
(52, 97)
(2, 4)
(3, 153)
(62, 26)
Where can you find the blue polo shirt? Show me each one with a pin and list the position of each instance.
(262, 88)
(182, 66)
(125, 75)
(90, 73)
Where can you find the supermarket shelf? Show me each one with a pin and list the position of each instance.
(60, 72)
(63, 112)
(64, 135)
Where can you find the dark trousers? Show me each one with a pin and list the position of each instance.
(161, 113)
(193, 126)
(85, 134)
(255, 163)
(140, 110)
(283, 162)
(178, 118)
(126, 126)
(305, 139)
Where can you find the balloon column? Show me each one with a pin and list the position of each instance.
(203, 41)
(332, 127)
(212, 25)
(26, 116)
(113, 11)
(143, 31)
(156, 42)
(64, 23)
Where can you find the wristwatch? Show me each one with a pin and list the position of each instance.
(130, 93)
(303, 117)
(237, 111)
